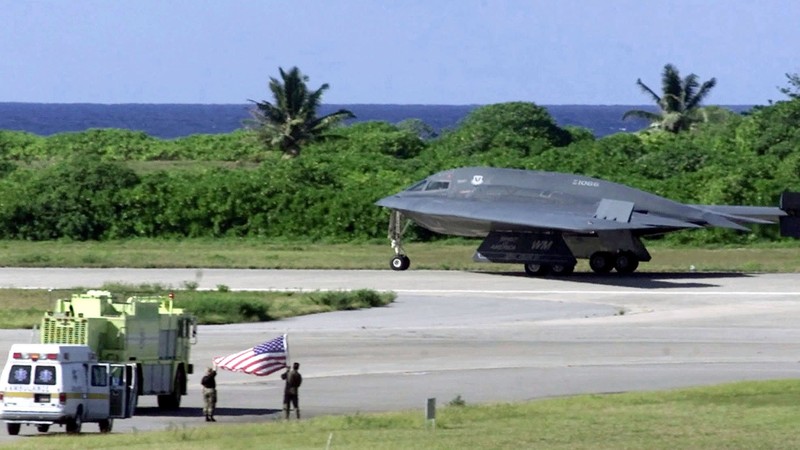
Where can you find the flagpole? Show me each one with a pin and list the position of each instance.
(286, 346)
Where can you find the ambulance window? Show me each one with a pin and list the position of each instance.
(45, 375)
(19, 374)
(99, 376)
(117, 375)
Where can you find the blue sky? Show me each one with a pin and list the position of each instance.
(403, 51)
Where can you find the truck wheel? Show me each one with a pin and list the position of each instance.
(172, 401)
(13, 428)
(42, 428)
(74, 423)
(106, 425)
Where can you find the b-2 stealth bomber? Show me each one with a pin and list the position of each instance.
(547, 220)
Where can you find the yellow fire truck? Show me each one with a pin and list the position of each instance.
(146, 331)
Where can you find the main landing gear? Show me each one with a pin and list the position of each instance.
(536, 269)
(624, 262)
(396, 229)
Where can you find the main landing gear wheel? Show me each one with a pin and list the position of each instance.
(400, 262)
(562, 269)
(534, 269)
(601, 262)
(626, 262)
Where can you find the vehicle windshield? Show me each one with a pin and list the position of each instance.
(419, 186)
(437, 186)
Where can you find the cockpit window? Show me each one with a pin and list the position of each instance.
(419, 186)
(437, 185)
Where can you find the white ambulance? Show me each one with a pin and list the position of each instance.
(47, 384)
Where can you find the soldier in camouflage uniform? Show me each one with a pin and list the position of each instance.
(209, 383)
(290, 392)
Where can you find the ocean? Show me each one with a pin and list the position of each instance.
(169, 121)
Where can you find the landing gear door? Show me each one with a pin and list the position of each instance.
(118, 391)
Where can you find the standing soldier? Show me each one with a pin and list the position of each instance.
(290, 392)
(209, 383)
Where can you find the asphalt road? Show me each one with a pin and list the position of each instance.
(484, 337)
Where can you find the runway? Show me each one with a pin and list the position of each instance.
(486, 337)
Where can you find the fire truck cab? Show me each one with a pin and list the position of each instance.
(47, 384)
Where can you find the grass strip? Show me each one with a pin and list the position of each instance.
(745, 415)
(24, 308)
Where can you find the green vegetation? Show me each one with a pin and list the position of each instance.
(111, 185)
(732, 416)
(23, 308)
(291, 122)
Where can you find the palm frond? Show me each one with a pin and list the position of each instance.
(701, 94)
(672, 89)
(649, 91)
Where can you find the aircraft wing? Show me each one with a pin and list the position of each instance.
(516, 214)
(745, 214)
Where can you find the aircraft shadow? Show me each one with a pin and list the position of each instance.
(198, 412)
(641, 280)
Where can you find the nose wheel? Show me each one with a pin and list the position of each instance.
(400, 262)
(396, 230)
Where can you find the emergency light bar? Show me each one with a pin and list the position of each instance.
(36, 356)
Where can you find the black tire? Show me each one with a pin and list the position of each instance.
(601, 262)
(562, 269)
(106, 425)
(626, 262)
(13, 428)
(400, 262)
(536, 270)
(42, 428)
(74, 424)
(172, 401)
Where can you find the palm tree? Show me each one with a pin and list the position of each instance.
(793, 91)
(292, 120)
(679, 103)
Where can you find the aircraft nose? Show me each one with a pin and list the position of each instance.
(389, 202)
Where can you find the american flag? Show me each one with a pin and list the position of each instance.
(261, 360)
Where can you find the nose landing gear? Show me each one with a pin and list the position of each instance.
(396, 229)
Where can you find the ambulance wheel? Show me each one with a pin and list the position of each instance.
(13, 428)
(74, 424)
(42, 428)
(106, 425)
